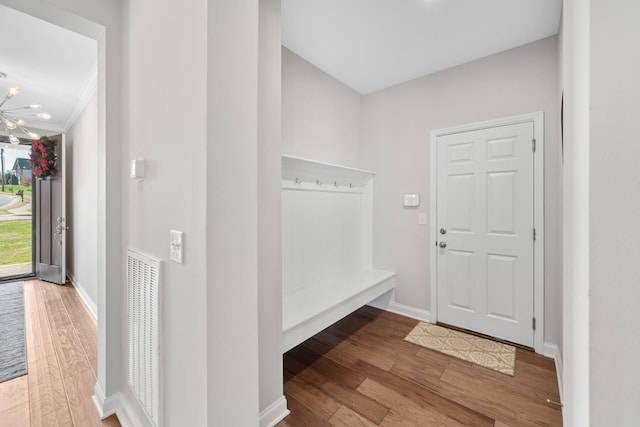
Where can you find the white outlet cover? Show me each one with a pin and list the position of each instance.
(422, 218)
(175, 246)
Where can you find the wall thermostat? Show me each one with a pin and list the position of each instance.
(411, 200)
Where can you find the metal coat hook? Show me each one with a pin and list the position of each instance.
(335, 183)
(297, 181)
(318, 182)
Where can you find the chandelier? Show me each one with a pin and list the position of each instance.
(12, 118)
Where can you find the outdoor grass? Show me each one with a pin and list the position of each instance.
(13, 189)
(15, 242)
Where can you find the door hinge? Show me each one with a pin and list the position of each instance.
(534, 234)
(533, 145)
(533, 323)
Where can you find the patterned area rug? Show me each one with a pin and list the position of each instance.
(13, 355)
(490, 354)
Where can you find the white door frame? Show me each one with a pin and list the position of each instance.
(537, 119)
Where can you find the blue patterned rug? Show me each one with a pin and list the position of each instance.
(13, 350)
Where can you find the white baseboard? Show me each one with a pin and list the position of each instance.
(387, 302)
(118, 404)
(123, 418)
(128, 414)
(275, 413)
(552, 351)
(105, 406)
(91, 306)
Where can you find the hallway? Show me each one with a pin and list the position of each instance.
(62, 363)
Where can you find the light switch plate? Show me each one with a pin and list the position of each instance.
(175, 246)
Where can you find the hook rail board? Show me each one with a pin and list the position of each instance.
(312, 175)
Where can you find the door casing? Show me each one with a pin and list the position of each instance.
(537, 118)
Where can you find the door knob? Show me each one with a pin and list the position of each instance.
(443, 245)
(443, 231)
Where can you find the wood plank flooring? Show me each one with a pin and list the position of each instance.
(62, 359)
(361, 372)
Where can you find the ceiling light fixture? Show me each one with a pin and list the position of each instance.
(10, 117)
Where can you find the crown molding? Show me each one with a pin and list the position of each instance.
(90, 89)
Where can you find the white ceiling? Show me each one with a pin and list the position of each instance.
(366, 44)
(51, 65)
(373, 44)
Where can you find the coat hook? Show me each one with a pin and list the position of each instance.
(335, 183)
(297, 181)
(318, 182)
(350, 185)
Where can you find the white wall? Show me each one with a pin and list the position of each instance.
(322, 118)
(168, 127)
(397, 122)
(325, 236)
(269, 206)
(614, 221)
(232, 211)
(82, 204)
(211, 372)
(575, 65)
(560, 206)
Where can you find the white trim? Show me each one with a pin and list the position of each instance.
(326, 187)
(123, 418)
(388, 302)
(130, 412)
(125, 406)
(538, 170)
(433, 224)
(274, 413)
(553, 351)
(105, 406)
(315, 163)
(127, 414)
(538, 221)
(90, 89)
(63, 209)
(91, 306)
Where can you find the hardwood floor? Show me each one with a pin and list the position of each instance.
(62, 363)
(361, 372)
(358, 372)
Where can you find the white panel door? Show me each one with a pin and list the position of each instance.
(485, 219)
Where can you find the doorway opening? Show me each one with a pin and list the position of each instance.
(16, 207)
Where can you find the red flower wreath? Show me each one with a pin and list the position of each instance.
(43, 157)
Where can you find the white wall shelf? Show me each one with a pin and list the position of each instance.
(311, 175)
(326, 246)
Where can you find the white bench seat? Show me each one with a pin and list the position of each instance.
(307, 311)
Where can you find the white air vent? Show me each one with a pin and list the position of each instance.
(143, 326)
